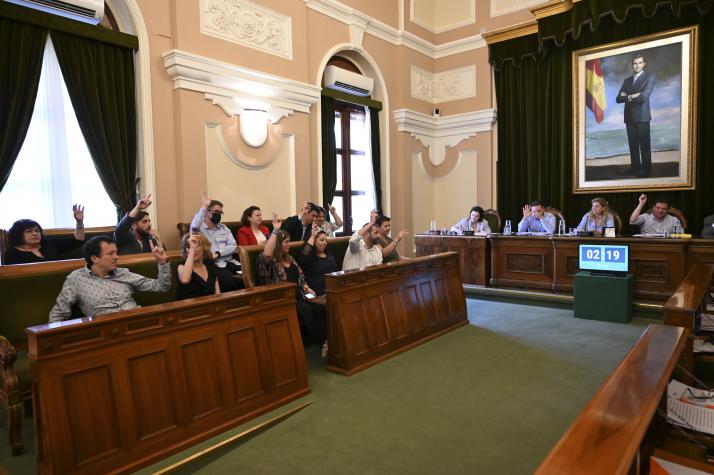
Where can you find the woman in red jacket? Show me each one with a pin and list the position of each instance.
(252, 231)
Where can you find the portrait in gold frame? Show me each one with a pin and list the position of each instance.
(634, 114)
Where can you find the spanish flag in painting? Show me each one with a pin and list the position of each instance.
(595, 89)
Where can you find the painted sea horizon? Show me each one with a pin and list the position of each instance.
(613, 142)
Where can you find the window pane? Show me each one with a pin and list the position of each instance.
(358, 131)
(54, 169)
(338, 167)
(338, 130)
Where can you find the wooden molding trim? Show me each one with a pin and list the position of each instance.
(529, 27)
(553, 7)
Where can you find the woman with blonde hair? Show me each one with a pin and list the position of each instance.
(197, 276)
(598, 218)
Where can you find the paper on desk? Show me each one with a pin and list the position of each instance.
(650, 235)
(532, 233)
(686, 409)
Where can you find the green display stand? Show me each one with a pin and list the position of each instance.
(603, 297)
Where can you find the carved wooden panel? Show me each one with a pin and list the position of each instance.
(474, 254)
(245, 365)
(391, 308)
(648, 271)
(93, 432)
(152, 394)
(203, 383)
(530, 263)
(118, 392)
(572, 265)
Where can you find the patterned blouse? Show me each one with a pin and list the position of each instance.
(274, 272)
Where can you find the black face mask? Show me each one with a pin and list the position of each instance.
(215, 218)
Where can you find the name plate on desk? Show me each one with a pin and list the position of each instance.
(600, 257)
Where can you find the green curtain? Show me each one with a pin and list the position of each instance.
(533, 82)
(21, 51)
(376, 156)
(100, 80)
(329, 154)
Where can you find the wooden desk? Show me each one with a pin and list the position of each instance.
(474, 254)
(379, 311)
(118, 392)
(550, 262)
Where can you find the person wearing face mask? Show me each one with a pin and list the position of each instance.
(134, 234)
(27, 243)
(208, 221)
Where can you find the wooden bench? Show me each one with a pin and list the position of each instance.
(60, 234)
(608, 437)
(682, 307)
(379, 311)
(120, 391)
(248, 255)
(29, 291)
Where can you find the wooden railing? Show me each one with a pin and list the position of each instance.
(379, 311)
(608, 437)
(117, 392)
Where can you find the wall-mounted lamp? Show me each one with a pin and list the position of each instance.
(254, 127)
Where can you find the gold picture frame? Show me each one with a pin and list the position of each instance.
(634, 114)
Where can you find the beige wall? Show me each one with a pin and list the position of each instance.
(189, 158)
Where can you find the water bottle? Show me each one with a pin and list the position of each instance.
(561, 228)
(507, 227)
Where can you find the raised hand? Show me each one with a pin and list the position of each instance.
(78, 211)
(402, 234)
(526, 211)
(159, 253)
(205, 199)
(315, 230)
(144, 202)
(643, 199)
(153, 232)
(192, 243)
(373, 216)
(332, 208)
(277, 222)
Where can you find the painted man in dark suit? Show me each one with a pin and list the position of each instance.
(635, 94)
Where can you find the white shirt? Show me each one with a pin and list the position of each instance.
(359, 255)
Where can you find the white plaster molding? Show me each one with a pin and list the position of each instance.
(248, 24)
(515, 6)
(444, 86)
(217, 130)
(234, 88)
(470, 20)
(437, 133)
(356, 36)
(349, 16)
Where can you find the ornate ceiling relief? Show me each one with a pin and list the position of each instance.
(248, 24)
(444, 86)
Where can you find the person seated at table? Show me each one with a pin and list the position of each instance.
(101, 287)
(27, 243)
(208, 221)
(473, 222)
(658, 222)
(300, 226)
(325, 225)
(275, 264)
(134, 234)
(708, 229)
(197, 276)
(252, 232)
(363, 249)
(536, 220)
(315, 261)
(388, 245)
(598, 218)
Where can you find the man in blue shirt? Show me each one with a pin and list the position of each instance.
(536, 220)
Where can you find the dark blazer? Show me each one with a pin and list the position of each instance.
(245, 236)
(294, 227)
(638, 109)
(126, 242)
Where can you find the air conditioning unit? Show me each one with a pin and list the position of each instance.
(347, 81)
(88, 11)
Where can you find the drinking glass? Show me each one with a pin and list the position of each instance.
(561, 228)
(432, 227)
(573, 232)
(507, 227)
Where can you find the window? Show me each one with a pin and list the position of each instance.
(54, 168)
(354, 194)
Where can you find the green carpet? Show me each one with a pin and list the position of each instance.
(489, 398)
